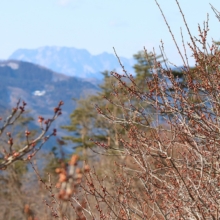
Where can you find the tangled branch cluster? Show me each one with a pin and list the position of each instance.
(31, 147)
(171, 167)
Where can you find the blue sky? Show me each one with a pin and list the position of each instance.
(98, 25)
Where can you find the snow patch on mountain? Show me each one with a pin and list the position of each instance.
(39, 93)
(12, 65)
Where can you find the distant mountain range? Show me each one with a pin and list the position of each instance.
(44, 76)
(73, 62)
(41, 88)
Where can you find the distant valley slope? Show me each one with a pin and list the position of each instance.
(72, 61)
(41, 88)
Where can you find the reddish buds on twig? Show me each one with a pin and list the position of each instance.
(27, 133)
(40, 119)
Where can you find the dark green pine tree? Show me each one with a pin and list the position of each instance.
(87, 124)
(82, 125)
(143, 67)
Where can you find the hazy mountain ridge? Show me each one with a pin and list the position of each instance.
(72, 61)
